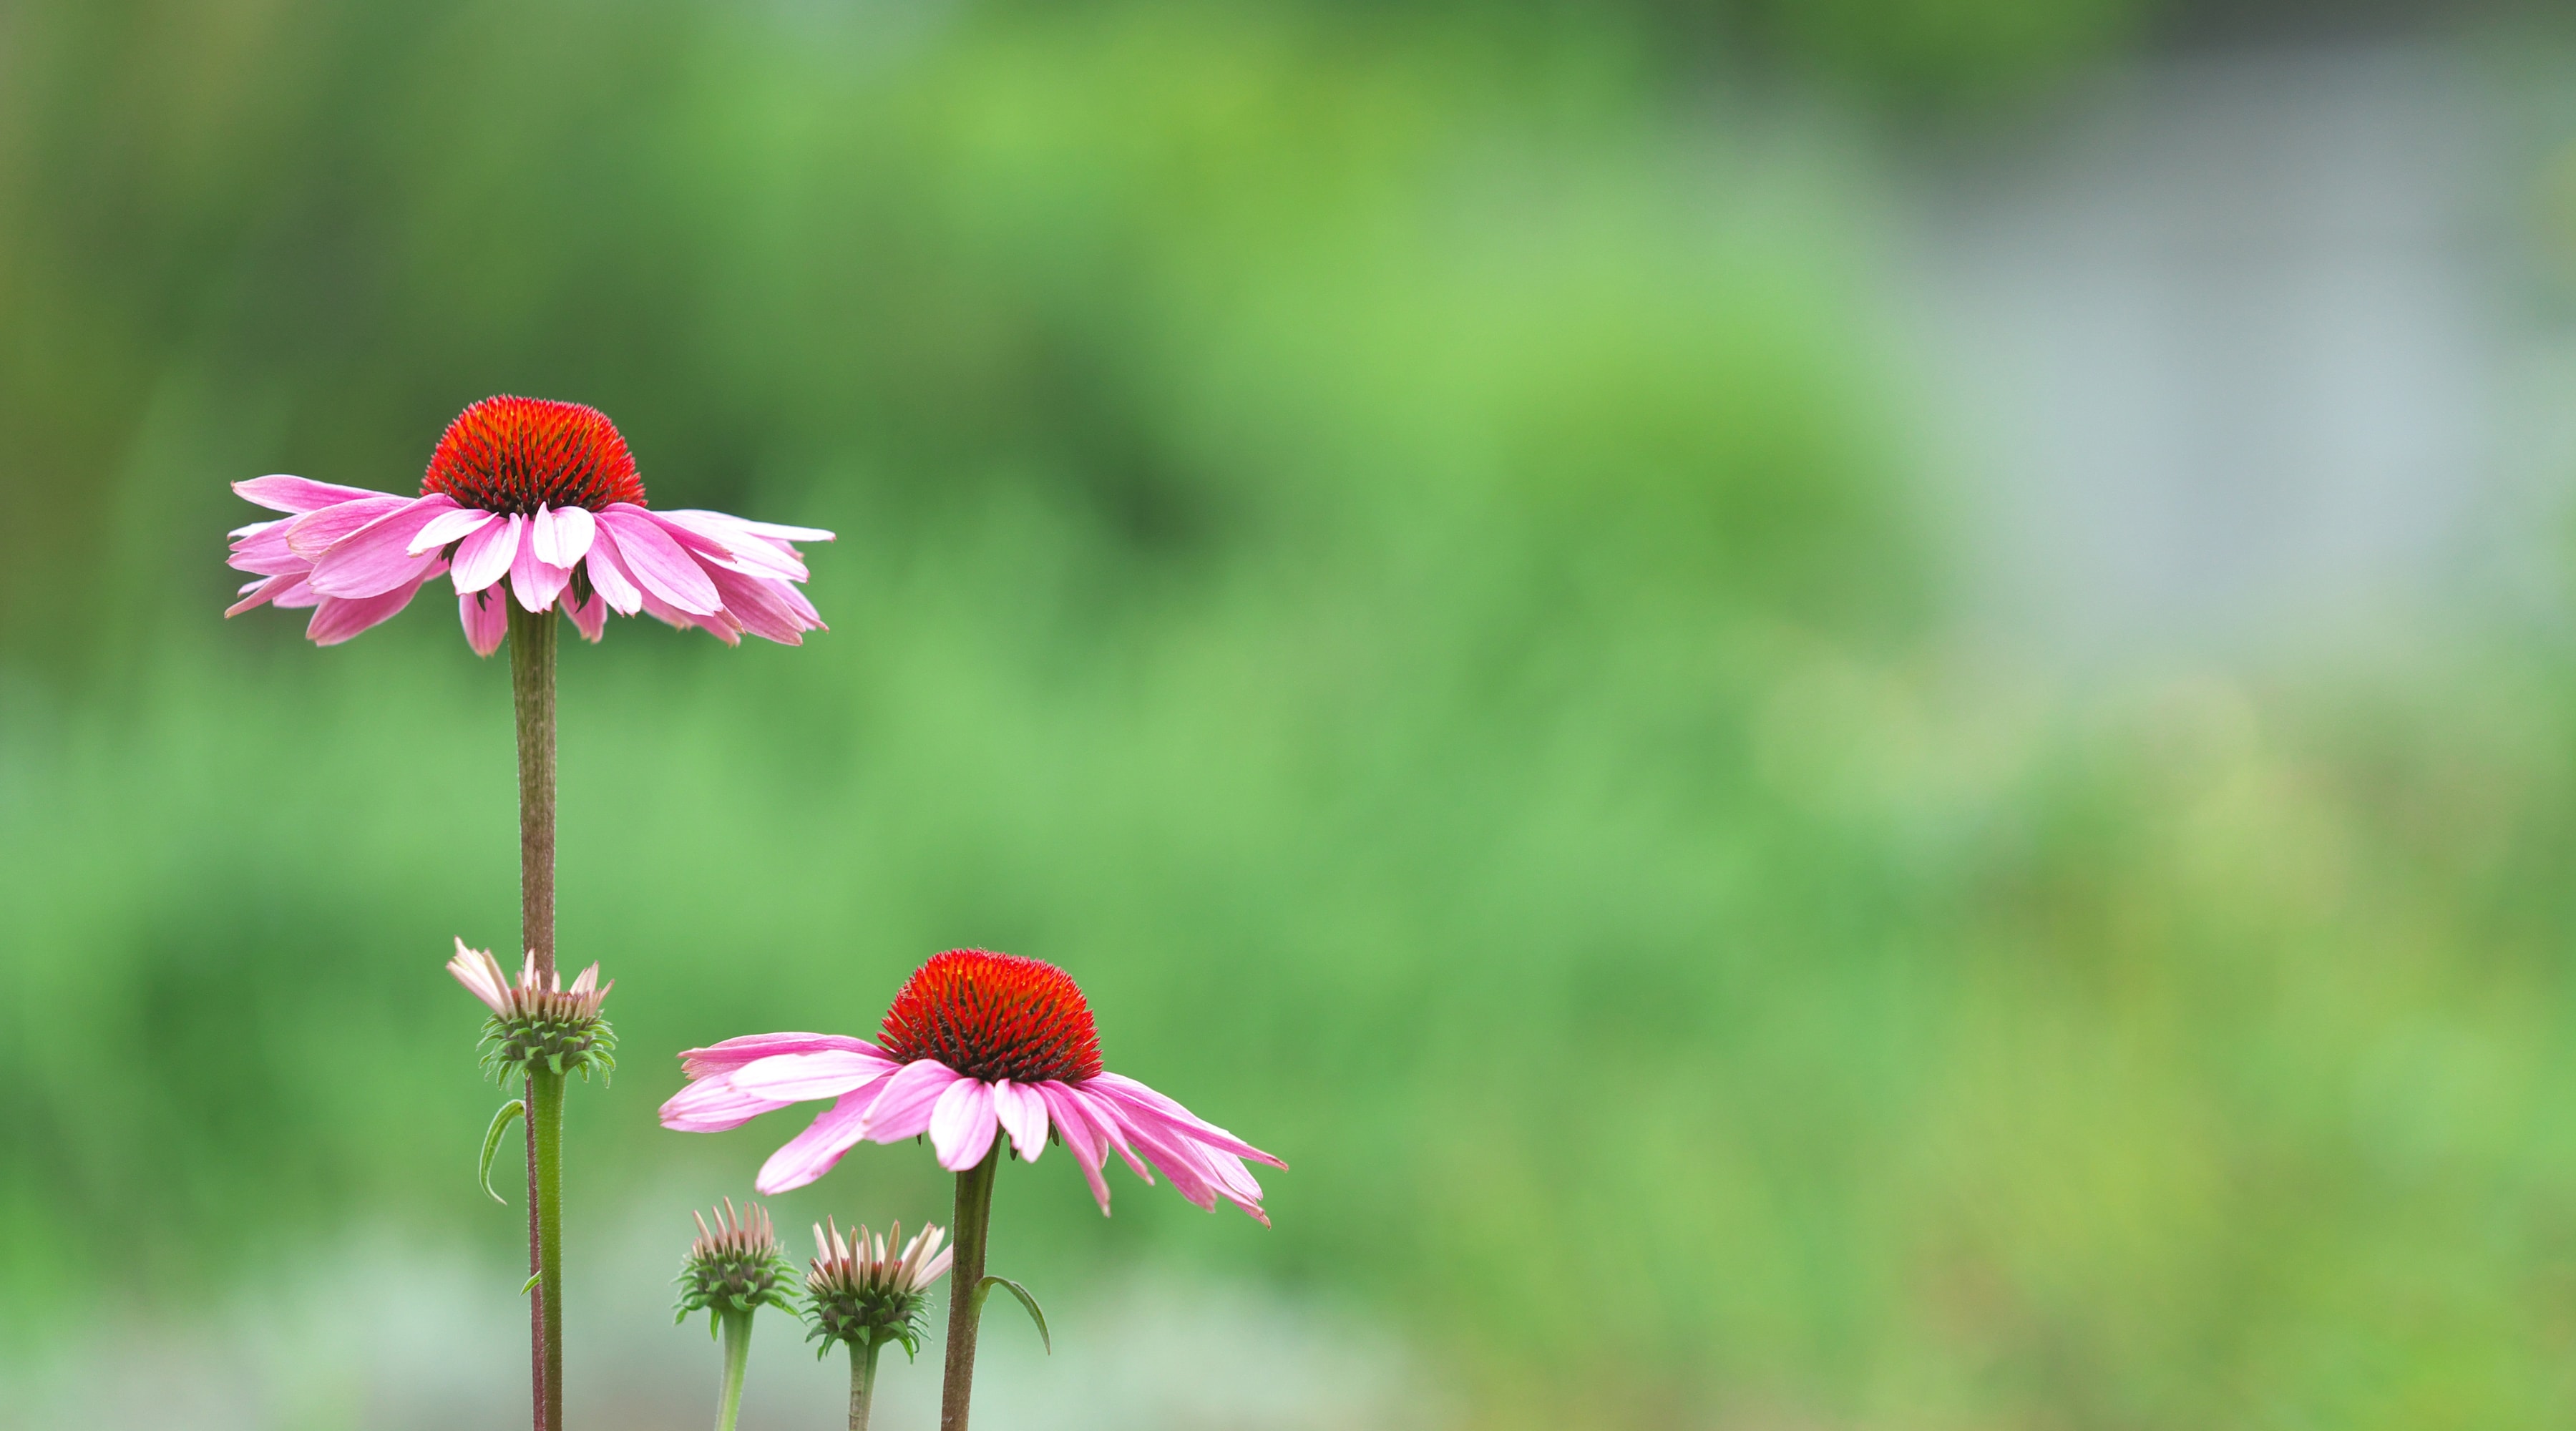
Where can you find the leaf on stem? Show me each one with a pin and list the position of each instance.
(492, 1143)
(985, 1288)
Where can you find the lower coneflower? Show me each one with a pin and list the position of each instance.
(734, 1268)
(978, 1048)
(864, 1291)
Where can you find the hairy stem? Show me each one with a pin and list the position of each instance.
(965, 1273)
(863, 1382)
(532, 701)
(545, 1121)
(532, 697)
(737, 1351)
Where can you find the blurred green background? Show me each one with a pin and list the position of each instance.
(1402, 544)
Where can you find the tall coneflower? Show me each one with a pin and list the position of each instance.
(977, 1045)
(528, 507)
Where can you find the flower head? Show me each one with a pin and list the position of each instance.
(861, 1293)
(526, 499)
(977, 1045)
(735, 1267)
(538, 1021)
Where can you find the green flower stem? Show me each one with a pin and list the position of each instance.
(863, 1382)
(965, 1276)
(545, 1124)
(737, 1345)
(532, 700)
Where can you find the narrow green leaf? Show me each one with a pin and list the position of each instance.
(985, 1287)
(531, 1284)
(492, 1143)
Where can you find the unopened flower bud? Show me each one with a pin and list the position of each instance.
(867, 1290)
(735, 1267)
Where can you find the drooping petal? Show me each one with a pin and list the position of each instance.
(727, 544)
(904, 1102)
(1137, 1095)
(314, 533)
(712, 1105)
(281, 493)
(608, 575)
(485, 557)
(655, 558)
(1107, 1122)
(1089, 1150)
(337, 619)
(378, 557)
(1022, 1111)
(264, 591)
(797, 1077)
(811, 1154)
(486, 616)
(962, 1124)
(261, 549)
(590, 614)
(735, 1053)
(534, 581)
(750, 600)
(715, 623)
(452, 526)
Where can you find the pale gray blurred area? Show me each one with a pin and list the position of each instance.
(407, 1338)
(2239, 358)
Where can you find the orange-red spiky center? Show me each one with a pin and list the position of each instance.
(508, 454)
(994, 1016)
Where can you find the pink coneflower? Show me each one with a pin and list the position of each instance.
(976, 1045)
(540, 496)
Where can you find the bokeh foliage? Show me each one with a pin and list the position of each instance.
(1382, 540)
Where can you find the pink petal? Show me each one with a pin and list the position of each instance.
(337, 619)
(263, 592)
(486, 615)
(1023, 1112)
(777, 532)
(281, 493)
(796, 1077)
(261, 549)
(962, 1124)
(735, 1053)
(378, 558)
(712, 1105)
(485, 557)
(903, 1104)
(1137, 1095)
(1108, 1122)
(727, 544)
(534, 581)
(655, 558)
(608, 575)
(811, 1154)
(452, 526)
(481, 976)
(1075, 1127)
(314, 533)
(564, 535)
(715, 623)
(747, 599)
(591, 615)
(295, 598)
